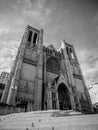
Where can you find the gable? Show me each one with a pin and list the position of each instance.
(51, 47)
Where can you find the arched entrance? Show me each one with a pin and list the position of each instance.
(64, 97)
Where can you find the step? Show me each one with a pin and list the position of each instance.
(72, 121)
(37, 115)
(56, 121)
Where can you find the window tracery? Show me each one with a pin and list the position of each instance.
(53, 65)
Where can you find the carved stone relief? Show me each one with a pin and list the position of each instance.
(30, 57)
(25, 91)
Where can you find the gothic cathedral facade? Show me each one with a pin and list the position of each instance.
(43, 78)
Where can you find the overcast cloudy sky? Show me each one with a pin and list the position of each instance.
(76, 21)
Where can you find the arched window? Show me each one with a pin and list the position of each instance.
(30, 36)
(34, 38)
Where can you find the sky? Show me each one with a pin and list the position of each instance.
(76, 21)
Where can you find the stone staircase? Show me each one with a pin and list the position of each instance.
(49, 120)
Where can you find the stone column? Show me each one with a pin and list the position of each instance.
(72, 101)
(6, 90)
(68, 66)
(38, 78)
(49, 100)
(16, 77)
(7, 87)
(57, 101)
(80, 109)
(68, 70)
(44, 81)
(84, 85)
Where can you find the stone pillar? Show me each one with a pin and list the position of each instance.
(49, 104)
(58, 105)
(68, 69)
(72, 101)
(6, 90)
(29, 107)
(7, 87)
(80, 109)
(84, 85)
(89, 100)
(16, 77)
(49, 96)
(38, 78)
(44, 81)
(49, 100)
(69, 73)
(57, 101)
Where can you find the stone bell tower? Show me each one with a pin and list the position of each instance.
(44, 78)
(79, 95)
(24, 88)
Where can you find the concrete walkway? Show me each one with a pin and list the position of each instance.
(49, 120)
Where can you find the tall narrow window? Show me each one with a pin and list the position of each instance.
(67, 50)
(72, 55)
(34, 38)
(30, 36)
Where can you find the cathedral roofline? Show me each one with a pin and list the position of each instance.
(67, 43)
(50, 51)
(51, 47)
(30, 27)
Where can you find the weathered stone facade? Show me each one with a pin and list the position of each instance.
(44, 78)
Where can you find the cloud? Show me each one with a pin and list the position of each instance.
(95, 19)
(33, 12)
(89, 64)
(7, 56)
(3, 31)
(95, 23)
(69, 20)
(12, 24)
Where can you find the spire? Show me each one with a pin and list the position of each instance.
(62, 45)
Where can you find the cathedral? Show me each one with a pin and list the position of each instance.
(43, 78)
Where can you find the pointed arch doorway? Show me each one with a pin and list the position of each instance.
(64, 97)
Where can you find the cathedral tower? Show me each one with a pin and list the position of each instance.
(26, 73)
(44, 78)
